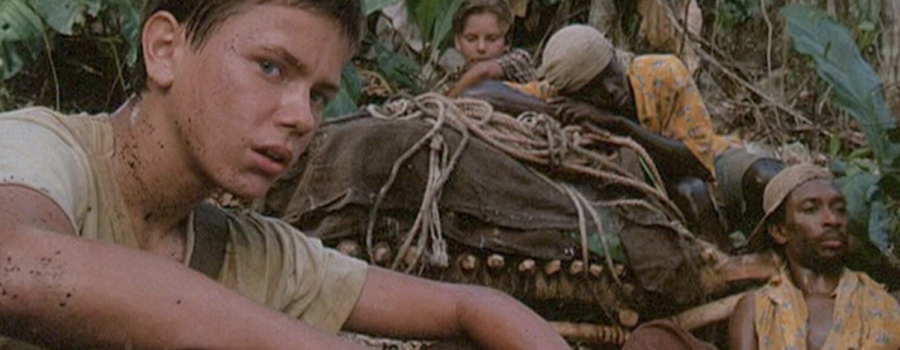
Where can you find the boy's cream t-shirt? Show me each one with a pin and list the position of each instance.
(69, 159)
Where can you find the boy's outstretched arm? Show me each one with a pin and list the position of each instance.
(59, 290)
(403, 306)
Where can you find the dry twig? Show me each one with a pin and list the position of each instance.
(732, 75)
(765, 14)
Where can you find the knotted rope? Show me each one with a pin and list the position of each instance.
(533, 138)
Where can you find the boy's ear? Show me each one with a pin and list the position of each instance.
(778, 233)
(456, 44)
(161, 38)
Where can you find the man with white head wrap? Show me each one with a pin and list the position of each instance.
(574, 56)
(654, 100)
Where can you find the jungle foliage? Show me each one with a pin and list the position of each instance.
(33, 31)
(869, 176)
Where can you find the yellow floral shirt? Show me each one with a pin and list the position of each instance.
(669, 104)
(866, 317)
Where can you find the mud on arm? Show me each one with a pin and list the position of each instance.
(398, 305)
(62, 291)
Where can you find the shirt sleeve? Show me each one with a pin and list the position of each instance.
(517, 66)
(682, 114)
(276, 264)
(38, 153)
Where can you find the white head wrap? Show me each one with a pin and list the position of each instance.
(574, 56)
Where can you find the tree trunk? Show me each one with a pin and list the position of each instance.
(519, 7)
(603, 16)
(890, 53)
(662, 34)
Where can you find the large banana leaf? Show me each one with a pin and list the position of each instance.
(857, 91)
(129, 22)
(424, 13)
(351, 89)
(444, 22)
(402, 71)
(857, 88)
(23, 24)
(435, 19)
(371, 6)
(64, 15)
(21, 36)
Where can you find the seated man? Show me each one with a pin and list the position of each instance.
(480, 31)
(655, 101)
(99, 215)
(816, 303)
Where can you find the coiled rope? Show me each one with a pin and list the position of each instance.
(533, 138)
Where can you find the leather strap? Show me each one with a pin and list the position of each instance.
(210, 239)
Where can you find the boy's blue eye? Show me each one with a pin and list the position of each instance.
(269, 68)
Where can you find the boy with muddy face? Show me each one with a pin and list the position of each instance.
(96, 212)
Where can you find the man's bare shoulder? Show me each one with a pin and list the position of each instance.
(741, 326)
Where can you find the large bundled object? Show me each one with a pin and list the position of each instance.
(454, 191)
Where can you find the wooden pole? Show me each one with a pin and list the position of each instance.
(890, 53)
(707, 314)
(591, 333)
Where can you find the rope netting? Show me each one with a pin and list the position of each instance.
(532, 138)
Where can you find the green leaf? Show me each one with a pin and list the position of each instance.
(862, 152)
(21, 34)
(424, 12)
(595, 245)
(857, 88)
(345, 102)
(838, 167)
(64, 15)
(397, 69)
(857, 187)
(444, 23)
(128, 14)
(834, 145)
(372, 6)
(611, 229)
(866, 26)
(735, 12)
(879, 226)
